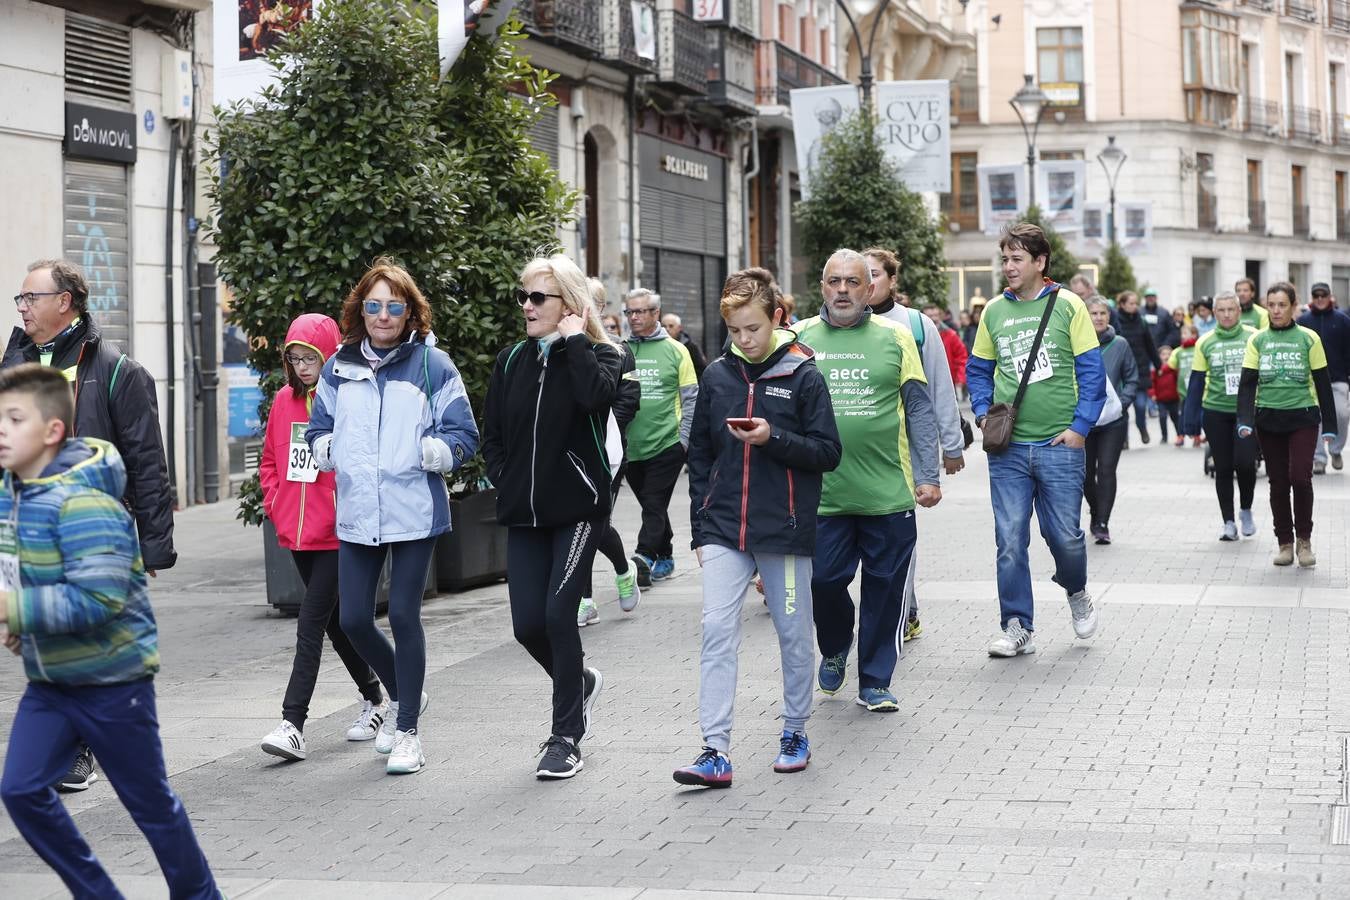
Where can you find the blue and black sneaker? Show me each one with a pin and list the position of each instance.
(711, 769)
(663, 568)
(794, 752)
(833, 672)
(877, 700)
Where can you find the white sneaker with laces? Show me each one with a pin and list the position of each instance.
(384, 741)
(367, 725)
(406, 757)
(1084, 614)
(1014, 641)
(586, 612)
(285, 741)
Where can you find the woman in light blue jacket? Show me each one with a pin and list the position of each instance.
(391, 417)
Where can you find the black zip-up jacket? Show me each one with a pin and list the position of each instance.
(761, 498)
(115, 401)
(1333, 327)
(628, 398)
(1134, 329)
(543, 431)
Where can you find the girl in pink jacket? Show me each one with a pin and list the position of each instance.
(301, 502)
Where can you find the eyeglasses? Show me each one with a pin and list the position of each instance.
(396, 308)
(640, 311)
(535, 298)
(835, 281)
(309, 360)
(27, 297)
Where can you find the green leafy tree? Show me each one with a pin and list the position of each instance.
(1063, 264)
(858, 201)
(1117, 273)
(361, 150)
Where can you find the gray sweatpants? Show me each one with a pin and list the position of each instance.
(787, 585)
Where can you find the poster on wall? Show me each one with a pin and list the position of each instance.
(244, 31)
(1137, 234)
(815, 113)
(1061, 185)
(459, 20)
(644, 31)
(914, 123)
(1094, 224)
(1003, 195)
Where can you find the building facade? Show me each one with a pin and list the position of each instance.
(1232, 115)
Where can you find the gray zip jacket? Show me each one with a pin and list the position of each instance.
(941, 391)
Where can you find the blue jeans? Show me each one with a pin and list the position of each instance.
(119, 724)
(1141, 406)
(1051, 478)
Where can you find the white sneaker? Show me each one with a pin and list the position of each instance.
(1084, 614)
(384, 741)
(1014, 641)
(285, 741)
(406, 757)
(587, 613)
(597, 681)
(367, 725)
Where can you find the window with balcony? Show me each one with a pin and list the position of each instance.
(1210, 64)
(1342, 223)
(1298, 192)
(966, 95)
(1256, 204)
(1206, 199)
(962, 205)
(1339, 133)
(1338, 15)
(1059, 67)
(1303, 10)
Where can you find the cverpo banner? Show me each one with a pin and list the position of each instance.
(815, 113)
(914, 123)
(1003, 195)
(1061, 185)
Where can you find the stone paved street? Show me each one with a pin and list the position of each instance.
(1192, 749)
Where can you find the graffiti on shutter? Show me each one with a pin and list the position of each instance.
(96, 236)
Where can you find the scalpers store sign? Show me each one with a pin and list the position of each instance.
(96, 133)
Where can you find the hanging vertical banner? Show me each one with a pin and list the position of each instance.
(1137, 234)
(815, 113)
(244, 30)
(1094, 224)
(458, 20)
(914, 123)
(1003, 195)
(1061, 185)
(644, 30)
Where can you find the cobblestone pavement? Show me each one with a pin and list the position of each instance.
(1192, 748)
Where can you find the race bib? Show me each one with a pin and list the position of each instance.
(1040, 371)
(300, 464)
(1231, 382)
(9, 557)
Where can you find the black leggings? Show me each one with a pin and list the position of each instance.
(1169, 409)
(1104, 446)
(319, 614)
(610, 542)
(1232, 455)
(544, 572)
(403, 670)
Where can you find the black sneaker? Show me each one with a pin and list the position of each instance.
(644, 570)
(561, 759)
(81, 773)
(591, 683)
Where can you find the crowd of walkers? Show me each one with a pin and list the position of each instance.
(810, 445)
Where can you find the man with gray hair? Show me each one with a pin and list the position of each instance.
(659, 434)
(114, 401)
(889, 431)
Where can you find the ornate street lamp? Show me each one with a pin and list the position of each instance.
(1029, 103)
(862, 9)
(1111, 158)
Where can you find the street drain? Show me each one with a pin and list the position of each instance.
(1340, 813)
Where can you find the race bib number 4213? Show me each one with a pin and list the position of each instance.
(1040, 371)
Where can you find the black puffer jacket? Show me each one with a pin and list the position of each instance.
(1135, 330)
(115, 401)
(544, 424)
(761, 498)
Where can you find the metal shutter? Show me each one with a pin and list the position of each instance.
(98, 61)
(96, 235)
(543, 135)
(681, 287)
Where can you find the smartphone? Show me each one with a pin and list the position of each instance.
(742, 424)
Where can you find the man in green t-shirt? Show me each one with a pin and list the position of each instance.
(1253, 313)
(1044, 464)
(889, 431)
(659, 432)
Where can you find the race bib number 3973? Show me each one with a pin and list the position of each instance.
(300, 463)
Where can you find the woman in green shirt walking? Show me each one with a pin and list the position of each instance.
(1285, 391)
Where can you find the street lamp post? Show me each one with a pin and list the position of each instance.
(1111, 158)
(862, 9)
(1029, 103)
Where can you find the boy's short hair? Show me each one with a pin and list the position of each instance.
(47, 386)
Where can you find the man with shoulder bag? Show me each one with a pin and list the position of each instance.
(1037, 386)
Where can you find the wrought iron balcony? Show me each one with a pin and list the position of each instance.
(1303, 10)
(619, 47)
(1304, 123)
(731, 70)
(1302, 221)
(1256, 216)
(1263, 5)
(1338, 15)
(1340, 130)
(683, 52)
(571, 24)
(1261, 117)
(782, 69)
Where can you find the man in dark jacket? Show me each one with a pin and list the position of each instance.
(114, 401)
(1158, 317)
(1134, 329)
(675, 328)
(1333, 327)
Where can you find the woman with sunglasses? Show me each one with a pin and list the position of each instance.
(391, 417)
(544, 443)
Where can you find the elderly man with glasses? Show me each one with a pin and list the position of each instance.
(1333, 327)
(115, 401)
(659, 434)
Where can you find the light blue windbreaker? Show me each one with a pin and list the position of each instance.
(391, 428)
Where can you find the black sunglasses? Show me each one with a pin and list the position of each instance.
(536, 298)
